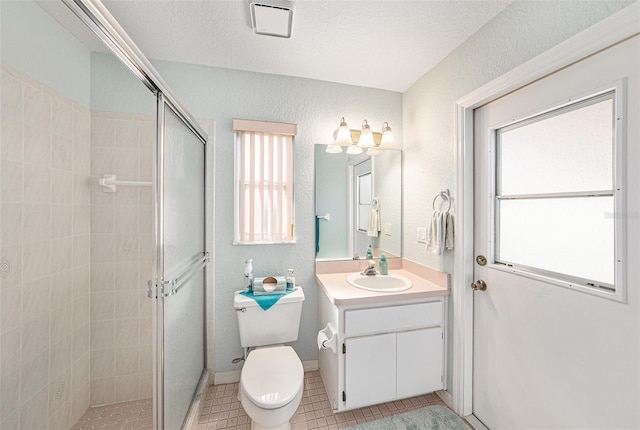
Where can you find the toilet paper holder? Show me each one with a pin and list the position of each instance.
(328, 338)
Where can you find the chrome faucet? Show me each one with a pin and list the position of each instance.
(371, 268)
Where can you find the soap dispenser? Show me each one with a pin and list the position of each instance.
(369, 253)
(384, 267)
(248, 275)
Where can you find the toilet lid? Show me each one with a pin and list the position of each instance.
(271, 377)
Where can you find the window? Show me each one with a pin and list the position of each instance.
(555, 195)
(264, 209)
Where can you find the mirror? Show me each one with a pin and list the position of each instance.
(351, 191)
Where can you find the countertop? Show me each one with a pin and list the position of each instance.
(341, 293)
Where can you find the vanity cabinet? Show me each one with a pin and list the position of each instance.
(384, 352)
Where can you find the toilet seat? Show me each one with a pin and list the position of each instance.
(272, 377)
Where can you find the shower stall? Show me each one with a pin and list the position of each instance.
(104, 262)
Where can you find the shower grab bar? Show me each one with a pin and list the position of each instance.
(109, 183)
(176, 284)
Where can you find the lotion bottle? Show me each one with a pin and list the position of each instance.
(384, 267)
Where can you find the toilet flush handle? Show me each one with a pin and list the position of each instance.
(243, 310)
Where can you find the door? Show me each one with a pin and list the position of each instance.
(370, 370)
(180, 336)
(556, 330)
(419, 362)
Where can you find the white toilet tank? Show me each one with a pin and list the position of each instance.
(278, 324)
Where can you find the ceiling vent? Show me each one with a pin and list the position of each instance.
(272, 17)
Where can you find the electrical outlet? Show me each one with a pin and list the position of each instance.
(387, 228)
(422, 235)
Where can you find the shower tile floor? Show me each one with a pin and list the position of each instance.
(222, 410)
(136, 414)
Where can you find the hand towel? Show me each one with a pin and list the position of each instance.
(266, 301)
(441, 233)
(374, 221)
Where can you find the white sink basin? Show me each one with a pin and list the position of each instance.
(382, 283)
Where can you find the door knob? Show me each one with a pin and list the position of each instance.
(479, 285)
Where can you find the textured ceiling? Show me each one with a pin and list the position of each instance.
(380, 44)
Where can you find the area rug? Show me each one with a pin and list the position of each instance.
(427, 418)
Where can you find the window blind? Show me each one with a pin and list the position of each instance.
(264, 182)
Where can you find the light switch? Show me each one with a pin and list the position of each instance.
(387, 228)
(422, 235)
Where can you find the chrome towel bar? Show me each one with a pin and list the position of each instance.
(174, 285)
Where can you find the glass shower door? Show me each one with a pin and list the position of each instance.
(181, 260)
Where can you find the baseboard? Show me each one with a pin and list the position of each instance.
(310, 366)
(232, 377)
(475, 423)
(446, 397)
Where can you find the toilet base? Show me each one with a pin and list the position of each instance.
(284, 426)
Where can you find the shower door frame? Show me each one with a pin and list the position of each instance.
(157, 290)
(98, 19)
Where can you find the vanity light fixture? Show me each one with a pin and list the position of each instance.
(356, 140)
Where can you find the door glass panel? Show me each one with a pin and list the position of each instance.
(571, 236)
(183, 228)
(567, 152)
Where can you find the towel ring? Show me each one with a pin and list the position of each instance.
(445, 196)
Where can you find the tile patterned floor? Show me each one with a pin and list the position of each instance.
(222, 410)
(136, 415)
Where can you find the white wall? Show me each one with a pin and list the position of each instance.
(522, 31)
(316, 106)
(37, 45)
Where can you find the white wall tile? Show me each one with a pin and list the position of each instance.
(10, 266)
(9, 394)
(11, 143)
(61, 254)
(11, 308)
(126, 388)
(60, 391)
(126, 219)
(126, 133)
(60, 356)
(62, 118)
(37, 108)
(102, 131)
(34, 376)
(103, 363)
(38, 263)
(102, 335)
(103, 249)
(102, 219)
(126, 304)
(60, 323)
(36, 222)
(126, 332)
(102, 391)
(102, 276)
(61, 153)
(11, 223)
(81, 251)
(33, 412)
(11, 182)
(10, 349)
(37, 146)
(35, 299)
(61, 291)
(61, 220)
(61, 186)
(126, 276)
(126, 360)
(102, 305)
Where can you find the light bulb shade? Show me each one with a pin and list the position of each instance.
(366, 136)
(387, 140)
(354, 150)
(343, 135)
(334, 149)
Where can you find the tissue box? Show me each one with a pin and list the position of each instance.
(270, 285)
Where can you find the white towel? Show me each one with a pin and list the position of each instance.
(374, 220)
(440, 235)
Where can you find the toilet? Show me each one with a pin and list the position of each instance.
(272, 378)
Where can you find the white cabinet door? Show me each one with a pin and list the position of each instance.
(370, 370)
(419, 362)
